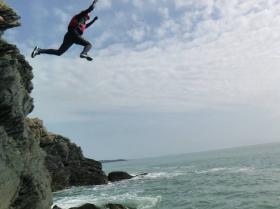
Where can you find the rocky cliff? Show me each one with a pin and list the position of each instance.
(24, 180)
(65, 160)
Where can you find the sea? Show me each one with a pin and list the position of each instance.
(237, 178)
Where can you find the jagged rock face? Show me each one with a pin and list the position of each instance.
(65, 160)
(24, 180)
(8, 18)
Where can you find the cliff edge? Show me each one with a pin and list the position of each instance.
(65, 160)
(24, 180)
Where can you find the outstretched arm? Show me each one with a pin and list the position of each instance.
(88, 10)
(91, 22)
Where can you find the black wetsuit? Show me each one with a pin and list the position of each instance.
(73, 36)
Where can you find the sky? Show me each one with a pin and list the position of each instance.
(168, 76)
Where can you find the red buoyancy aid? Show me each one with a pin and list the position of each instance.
(80, 24)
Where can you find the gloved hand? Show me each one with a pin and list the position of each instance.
(95, 18)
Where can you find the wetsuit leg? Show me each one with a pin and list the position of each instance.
(67, 43)
(81, 41)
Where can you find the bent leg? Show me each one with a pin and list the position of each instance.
(81, 41)
(67, 43)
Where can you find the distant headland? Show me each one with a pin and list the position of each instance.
(112, 161)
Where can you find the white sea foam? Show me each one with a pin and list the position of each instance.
(127, 199)
(165, 175)
(131, 200)
(156, 175)
(226, 170)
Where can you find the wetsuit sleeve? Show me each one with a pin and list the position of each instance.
(85, 12)
(90, 23)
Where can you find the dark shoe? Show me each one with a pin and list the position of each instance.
(35, 52)
(83, 55)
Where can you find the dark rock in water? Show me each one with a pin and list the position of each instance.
(56, 207)
(115, 206)
(118, 176)
(24, 180)
(142, 174)
(65, 160)
(86, 206)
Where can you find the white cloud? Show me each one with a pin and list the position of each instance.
(164, 12)
(104, 4)
(103, 38)
(63, 16)
(138, 3)
(196, 4)
(137, 34)
(167, 27)
(198, 62)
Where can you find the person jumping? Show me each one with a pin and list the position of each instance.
(76, 28)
